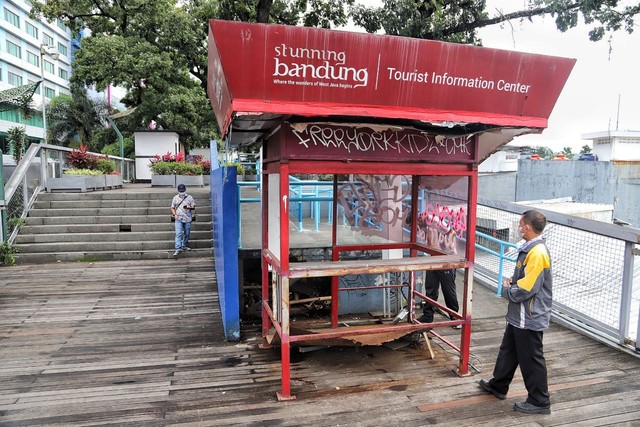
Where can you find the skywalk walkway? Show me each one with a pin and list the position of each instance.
(140, 343)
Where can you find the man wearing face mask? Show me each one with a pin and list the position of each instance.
(182, 207)
(528, 314)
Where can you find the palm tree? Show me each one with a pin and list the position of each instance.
(74, 116)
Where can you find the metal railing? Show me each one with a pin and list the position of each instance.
(596, 281)
(39, 163)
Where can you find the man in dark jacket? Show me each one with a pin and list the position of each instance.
(528, 315)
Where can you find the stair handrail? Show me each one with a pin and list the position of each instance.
(19, 177)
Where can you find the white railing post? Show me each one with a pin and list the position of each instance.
(627, 292)
(43, 168)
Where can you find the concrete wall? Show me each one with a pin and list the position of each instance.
(612, 183)
(585, 182)
(627, 192)
(497, 186)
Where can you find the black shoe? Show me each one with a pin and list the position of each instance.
(486, 385)
(425, 319)
(528, 408)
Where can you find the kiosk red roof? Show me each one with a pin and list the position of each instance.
(268, 72)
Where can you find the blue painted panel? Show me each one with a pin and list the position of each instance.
(224, 206)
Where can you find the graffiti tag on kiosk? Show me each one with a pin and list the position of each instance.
(445, 218)
(373, 200)
(358, 140)
(440, 225)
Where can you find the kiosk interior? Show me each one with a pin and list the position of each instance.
(400, 126)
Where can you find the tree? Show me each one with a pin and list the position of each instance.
(157, 49)
(457, 21)
(544, 152)
(585, 149)
(567, 152)
(75, 116)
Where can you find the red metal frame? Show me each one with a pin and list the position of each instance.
(283, 271)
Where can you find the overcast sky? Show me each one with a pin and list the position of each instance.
(589, 101)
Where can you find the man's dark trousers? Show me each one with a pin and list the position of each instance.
(522, 347)
(446, 279)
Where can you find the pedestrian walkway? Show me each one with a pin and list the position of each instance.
(140, 343)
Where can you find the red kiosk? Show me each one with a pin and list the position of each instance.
(401, 124)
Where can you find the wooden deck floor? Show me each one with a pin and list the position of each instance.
(139, 343)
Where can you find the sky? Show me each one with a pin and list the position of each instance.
(589, 101)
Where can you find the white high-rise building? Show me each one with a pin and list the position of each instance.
(29, 51)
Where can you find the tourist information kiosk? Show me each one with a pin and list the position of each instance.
(400, 125)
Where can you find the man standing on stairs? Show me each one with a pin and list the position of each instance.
(182, 207)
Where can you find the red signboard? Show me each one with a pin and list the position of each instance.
(324, 141)
(278, 69)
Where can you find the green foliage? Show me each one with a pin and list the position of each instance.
(106, 165)
(175, 168)
(457, 21)
(17, 140)
(567, 152)
(92, 172)
(7, 252)
(113, 149)
(585, 149)
(74, 116)
(545, 152)
(17, 222)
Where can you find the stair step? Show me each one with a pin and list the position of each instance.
(156, 236)
(122, 228)
(120, 219)
(84, 211)
(40, 258)
(109, 246)
(127, 223)
(122, 195)
(119, 203)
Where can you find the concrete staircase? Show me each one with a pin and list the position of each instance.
(130, 223)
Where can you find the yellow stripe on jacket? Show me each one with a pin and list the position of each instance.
(535, 262)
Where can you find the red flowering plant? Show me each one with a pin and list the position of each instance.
(173, 164)
(83, 162)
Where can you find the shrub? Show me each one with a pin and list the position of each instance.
(80, 159)
(106, 165)
(176, 164)
(7, 252)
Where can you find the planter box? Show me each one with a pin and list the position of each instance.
(83, 183)
(163, 180)
(190, 180)
(175, 180)
(113, 181)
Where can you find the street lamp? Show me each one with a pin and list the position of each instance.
(45, 49)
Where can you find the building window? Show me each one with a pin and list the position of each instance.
(33, 59)
(14, 79)
(62, 49)
(63, 73)
(61, 25)
(14, 49)
(49, 67)
(32, 30)
(49, 92)
(47, 39)
(11, 17)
